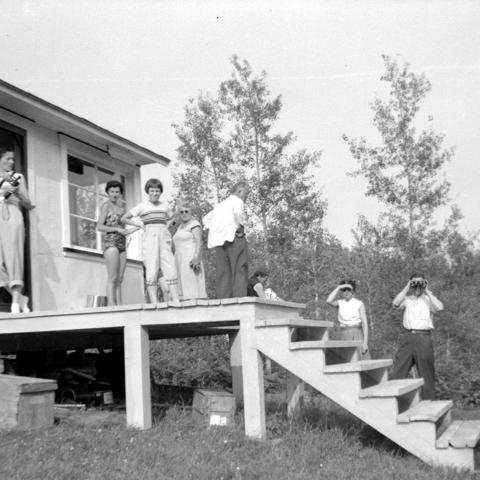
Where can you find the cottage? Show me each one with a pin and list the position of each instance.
(67, 161)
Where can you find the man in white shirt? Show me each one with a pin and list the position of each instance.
(225, 224)
(416, 346)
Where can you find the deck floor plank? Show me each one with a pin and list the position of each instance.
(392, 388)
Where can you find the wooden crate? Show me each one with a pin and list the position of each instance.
(217, 407)
(26, 402)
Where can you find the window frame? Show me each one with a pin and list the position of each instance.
(100, 197)
(97, 159)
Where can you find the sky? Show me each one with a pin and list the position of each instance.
(131, 67)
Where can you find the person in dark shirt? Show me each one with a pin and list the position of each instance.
(257, 282)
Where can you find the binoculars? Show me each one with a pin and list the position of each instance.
(14, 181)
(418, 283)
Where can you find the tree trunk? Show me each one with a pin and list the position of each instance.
(411, 226)
(262, 213)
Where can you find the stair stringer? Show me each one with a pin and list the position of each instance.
(418, 438)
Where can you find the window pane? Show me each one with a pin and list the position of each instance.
(81, 173)
(104, 176)
(86, 190)
(82, 202)
(83, 233)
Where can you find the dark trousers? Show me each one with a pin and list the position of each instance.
(232, 268)
(416, 349)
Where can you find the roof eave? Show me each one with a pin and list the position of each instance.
(35, 109)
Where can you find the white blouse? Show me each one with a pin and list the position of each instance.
(349, 312)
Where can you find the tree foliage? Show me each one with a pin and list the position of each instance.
(203, 153)
(230, 137)
(258, 151)
(404, 171)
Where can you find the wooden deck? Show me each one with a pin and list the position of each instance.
(259, 327)
(104, 326)
(134, 325)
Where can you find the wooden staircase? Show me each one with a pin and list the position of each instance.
(393, 407)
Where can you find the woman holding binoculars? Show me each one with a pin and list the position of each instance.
(13, 197)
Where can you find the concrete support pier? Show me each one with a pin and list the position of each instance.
(253, 386)
(137, 377)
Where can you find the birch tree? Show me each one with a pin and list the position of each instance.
(404, 172)
(231, 137)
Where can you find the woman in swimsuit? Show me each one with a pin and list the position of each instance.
(114, 250)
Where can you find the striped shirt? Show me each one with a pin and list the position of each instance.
(151, 213)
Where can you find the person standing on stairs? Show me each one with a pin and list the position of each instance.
(351, 315)
(415, 344)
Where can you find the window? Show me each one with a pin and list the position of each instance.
(86, 193)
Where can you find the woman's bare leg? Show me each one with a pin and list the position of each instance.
(152, 293)
(121, 273)
(174, 293)
(112, 261)
(165, 289)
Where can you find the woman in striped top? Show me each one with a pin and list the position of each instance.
(155, 217)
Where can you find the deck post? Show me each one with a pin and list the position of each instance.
(252, 376)
(236, 365)
(295, 391)
(137, 377)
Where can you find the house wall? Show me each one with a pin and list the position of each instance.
(62, 277)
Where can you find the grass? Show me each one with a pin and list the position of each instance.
(325, 443)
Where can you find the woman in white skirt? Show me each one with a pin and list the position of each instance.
(155, 218)
(352, 317)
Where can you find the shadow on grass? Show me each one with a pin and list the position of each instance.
(91, 419)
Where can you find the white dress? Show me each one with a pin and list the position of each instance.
(191, 284)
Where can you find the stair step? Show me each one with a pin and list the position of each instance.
(392, 388)
(358, 366)
(460, 434)
(325, 344)
(426, 410)
(292, 322)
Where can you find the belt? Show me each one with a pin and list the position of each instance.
(155, 222)
(424, 332)
(350, 326)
